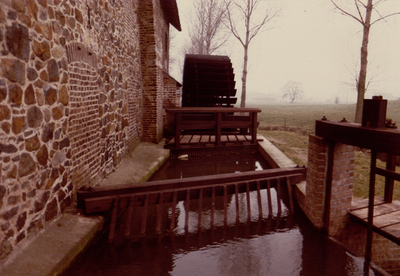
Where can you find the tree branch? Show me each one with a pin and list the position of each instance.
(347, 13)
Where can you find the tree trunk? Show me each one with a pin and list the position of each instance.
(244, 78)
(246, 57)
(363, 64)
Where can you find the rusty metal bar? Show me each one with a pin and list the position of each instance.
(113, 220)
(144, 214)
(371, 199)
(174, 202)
(129, 216)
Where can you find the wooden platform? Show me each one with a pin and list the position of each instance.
(196, 141)
(386, 218)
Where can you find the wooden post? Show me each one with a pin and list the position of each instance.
(129, 216)
(389, 182)
(172, 222)
(218, 129)
(178, 129)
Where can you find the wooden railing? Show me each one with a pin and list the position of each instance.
(215, 120)
(114, 198)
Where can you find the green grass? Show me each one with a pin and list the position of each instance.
(300, 120)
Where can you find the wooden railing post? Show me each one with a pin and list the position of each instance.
(218, 129)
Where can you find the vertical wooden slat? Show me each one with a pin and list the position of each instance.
(212, 207)
(127, 231)
(225, 205)
(218, 130)
(172, 222)
(200, 208)
(260, 213)
(289, 189)
(113, 219)
(269, 198)
(248, 201)
(237, 202)
(278, 196)
(144, 214)
(187, 202)
(389, 182)
(159, 212)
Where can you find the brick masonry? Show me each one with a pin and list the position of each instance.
(385, 253)
(81, 84)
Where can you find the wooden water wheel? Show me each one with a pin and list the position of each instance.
(208, 81)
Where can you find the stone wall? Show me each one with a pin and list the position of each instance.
(74, 98)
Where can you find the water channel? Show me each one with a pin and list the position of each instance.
(274, 241)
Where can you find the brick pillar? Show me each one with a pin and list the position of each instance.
(342, 184)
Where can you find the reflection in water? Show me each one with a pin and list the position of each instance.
(276, 243)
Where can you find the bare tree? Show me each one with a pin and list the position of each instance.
(293, 91)
(246, 11)
(206, 31)
(363, 14)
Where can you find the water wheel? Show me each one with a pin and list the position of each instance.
(208, 81)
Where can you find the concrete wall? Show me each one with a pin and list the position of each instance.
(81, 84)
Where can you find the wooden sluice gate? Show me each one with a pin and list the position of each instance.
(116, 198)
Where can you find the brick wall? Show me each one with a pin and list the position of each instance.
(342, 183)
(385, 253)
(76, 94)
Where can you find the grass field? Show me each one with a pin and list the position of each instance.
(288, 127)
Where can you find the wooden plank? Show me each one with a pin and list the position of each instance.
(128, 222)
(174, 202)
(200, 210)
(260, 213)
(113, 219)
(387, 219)
(237, 201)
(380, 140)
(248, 201)
(393, 230)
(379, 210)
(205, 139)
(185, 139)
(195, 139)
(144, 215)
(232, 138)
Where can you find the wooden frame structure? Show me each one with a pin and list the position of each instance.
(114, 198)
(378, 140)
(215, 121)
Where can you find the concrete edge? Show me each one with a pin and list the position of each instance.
(273, 154)
(53, 250)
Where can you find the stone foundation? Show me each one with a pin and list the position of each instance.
(76, 93)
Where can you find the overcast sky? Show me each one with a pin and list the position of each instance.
(312, 43)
